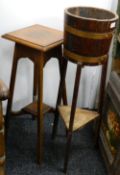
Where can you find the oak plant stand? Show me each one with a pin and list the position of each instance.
(39, 44)
(87, 36)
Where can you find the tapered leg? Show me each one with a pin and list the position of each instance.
(61, 62)
(72, 114)
(35, 84)
(40, 108)
(11, 88)
(64, 95)
(60, 92)
(67, 151)
(35, 81)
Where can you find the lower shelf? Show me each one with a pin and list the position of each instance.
(82, 116)
(32, 108)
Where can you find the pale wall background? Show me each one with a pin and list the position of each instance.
(17, 14)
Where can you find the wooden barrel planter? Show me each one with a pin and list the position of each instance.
(87, 34)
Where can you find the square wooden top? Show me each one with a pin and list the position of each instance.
(36, 36)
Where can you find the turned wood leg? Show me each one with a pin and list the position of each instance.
(60, 92)
(2, 143)
(11, 89)
(40, 123)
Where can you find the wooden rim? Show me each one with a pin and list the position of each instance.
(86, 34)
(115, 18)
(85, 59)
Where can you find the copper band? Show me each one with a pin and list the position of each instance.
(84, 59)
(89, 35)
